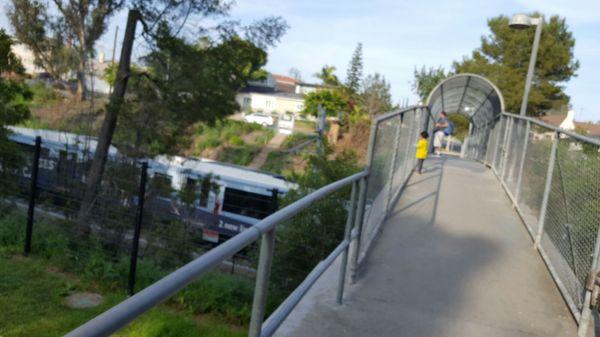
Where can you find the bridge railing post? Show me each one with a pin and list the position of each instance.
(522, 162)
(358, 225)
(347, 237)
(267, 245)
(501, 163)
(586, 312)
(507, 146)
(547, 187)
(263, 273)
(392, 166)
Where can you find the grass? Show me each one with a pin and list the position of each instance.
(239, 155)
(223, 133)
(32, 289)
(43, 95)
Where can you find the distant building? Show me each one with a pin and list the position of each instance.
(568, 122)
(27, 59)
(276, 94)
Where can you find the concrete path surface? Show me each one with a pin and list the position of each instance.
(274, 144)
(453, 259)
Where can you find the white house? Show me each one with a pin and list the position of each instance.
(277, 94)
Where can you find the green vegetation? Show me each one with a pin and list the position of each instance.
(310, 236)
(223, 132)
(43, 95)
(239, 155)
(34, 288)
(461, 125)
(296, 139)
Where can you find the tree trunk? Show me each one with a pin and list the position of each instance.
(96, 171)
(81, 83)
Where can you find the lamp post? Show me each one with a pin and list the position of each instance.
(523, 21)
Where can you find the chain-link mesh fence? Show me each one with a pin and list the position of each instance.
(392, 159)
(553, 178)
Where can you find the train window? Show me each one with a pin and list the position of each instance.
(245, 203)
(204, 191)
(161, 184)
(188, 193)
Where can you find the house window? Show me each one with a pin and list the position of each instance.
(240, 202)
(246, 103)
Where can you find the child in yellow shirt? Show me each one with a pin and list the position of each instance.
(422, 149)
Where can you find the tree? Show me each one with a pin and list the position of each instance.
(161, 36)
(355, 69)
(295, 74)
(13, 108)
(328, 76)
(503, 57)
(65, 39)
(426, 79)
(376, 97)
(332, 101)
(310, 236)
(156, 116)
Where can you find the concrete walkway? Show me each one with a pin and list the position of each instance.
(453, 260)
(274, 144)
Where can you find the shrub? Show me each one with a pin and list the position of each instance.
(228, 295)
(236, 141)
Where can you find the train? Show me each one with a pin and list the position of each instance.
(226, 198)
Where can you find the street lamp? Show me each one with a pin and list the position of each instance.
(523, 21)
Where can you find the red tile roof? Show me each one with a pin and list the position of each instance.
(285, 79)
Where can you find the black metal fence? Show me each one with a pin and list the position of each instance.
(131, 228)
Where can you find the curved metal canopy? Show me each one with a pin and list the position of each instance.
(471, 95)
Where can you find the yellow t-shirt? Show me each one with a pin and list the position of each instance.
(422, 149)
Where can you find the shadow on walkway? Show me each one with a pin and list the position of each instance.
(453, 259)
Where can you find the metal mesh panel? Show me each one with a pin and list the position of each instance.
(571, 223)
(499, 145)
(514, 154)
(535, 167)
(393, 158)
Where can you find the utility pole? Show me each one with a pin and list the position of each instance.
(320, 129)
(110, 120)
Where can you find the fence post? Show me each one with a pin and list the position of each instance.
(500, 165)
(267, 245)
(347, 230)
(522, 163)
(586, 313)
(358, 225)
(393, 165)
(135, 243)
(261, 288)
(507, 148)
(547, 187)
(32, 194)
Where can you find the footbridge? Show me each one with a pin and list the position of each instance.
(501, 240)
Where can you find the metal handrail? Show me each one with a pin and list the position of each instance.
(571, 134)
(125, 312)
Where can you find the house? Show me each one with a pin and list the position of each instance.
(276, 94)
(568, 122)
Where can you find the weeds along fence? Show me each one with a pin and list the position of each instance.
(131, 231)
(314, 230)
(552, 177)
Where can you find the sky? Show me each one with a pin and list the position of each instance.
(398, 36)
